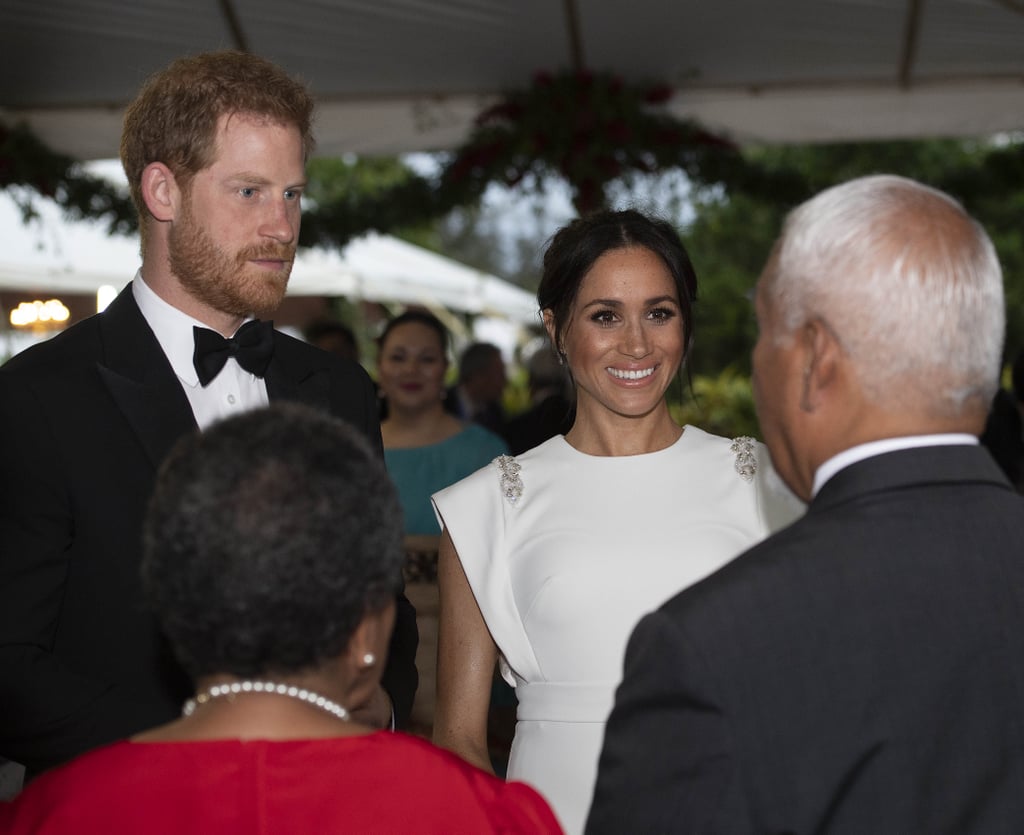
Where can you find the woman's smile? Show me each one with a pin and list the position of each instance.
(631, 374)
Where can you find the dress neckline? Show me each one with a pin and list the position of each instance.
(569, 449)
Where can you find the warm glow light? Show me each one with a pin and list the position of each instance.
(41, 315)
(104, 296)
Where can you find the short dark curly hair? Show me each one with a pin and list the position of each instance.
(266, 541)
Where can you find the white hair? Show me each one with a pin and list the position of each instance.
(909, 283)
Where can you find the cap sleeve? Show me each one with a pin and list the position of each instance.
(479, 518)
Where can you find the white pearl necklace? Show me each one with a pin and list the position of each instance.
(289, 690)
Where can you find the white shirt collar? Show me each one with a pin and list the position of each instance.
(172, 327)
(233, 390)
(858, 453)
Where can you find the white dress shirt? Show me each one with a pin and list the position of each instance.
(232, 390)
(861, 451)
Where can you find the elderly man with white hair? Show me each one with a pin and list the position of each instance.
(861, 671)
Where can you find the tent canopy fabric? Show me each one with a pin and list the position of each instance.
(410, 75)
(56, 256)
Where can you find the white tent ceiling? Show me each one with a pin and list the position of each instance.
(53, 256)
(406, 75)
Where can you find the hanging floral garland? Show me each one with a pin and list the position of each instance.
(589, 128)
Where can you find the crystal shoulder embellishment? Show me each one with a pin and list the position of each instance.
(746, 459)
(511, 483)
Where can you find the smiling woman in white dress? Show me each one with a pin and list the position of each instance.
(548, 559)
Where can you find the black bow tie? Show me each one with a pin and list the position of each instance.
(252, 347)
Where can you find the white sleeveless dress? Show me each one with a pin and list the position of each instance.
(563, 573)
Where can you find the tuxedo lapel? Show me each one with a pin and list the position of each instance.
(290, 376)
(138, 376)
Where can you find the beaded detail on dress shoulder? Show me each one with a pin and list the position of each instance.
(511, 483)
(746, 458)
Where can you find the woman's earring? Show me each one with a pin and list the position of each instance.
(369, 659)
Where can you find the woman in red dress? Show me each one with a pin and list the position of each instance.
(272, 556)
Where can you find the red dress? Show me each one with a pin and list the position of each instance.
(379, 783)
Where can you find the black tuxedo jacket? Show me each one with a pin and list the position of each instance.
(85, 419)
(861, 671)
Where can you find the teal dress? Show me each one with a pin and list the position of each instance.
(419, 472)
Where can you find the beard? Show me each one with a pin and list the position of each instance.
(217, 279)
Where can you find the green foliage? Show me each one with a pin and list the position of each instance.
(516, 397)
(338, 178)
(353, 197)
(729, 242)
(734, 229)
(817, 167)
(27, 161)
(721, 404)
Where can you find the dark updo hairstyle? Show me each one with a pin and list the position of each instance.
(268, 538)
(419, 317)
(575, 248)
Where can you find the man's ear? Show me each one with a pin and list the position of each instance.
(160, 191)
(823, 355)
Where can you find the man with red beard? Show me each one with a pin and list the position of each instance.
(214, 147)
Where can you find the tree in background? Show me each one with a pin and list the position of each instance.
(733, 230)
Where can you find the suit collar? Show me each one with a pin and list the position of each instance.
(959, 464)
(872, 448)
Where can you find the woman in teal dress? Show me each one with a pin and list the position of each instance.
(425, 447)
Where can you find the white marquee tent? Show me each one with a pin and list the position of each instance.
(411, 75)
